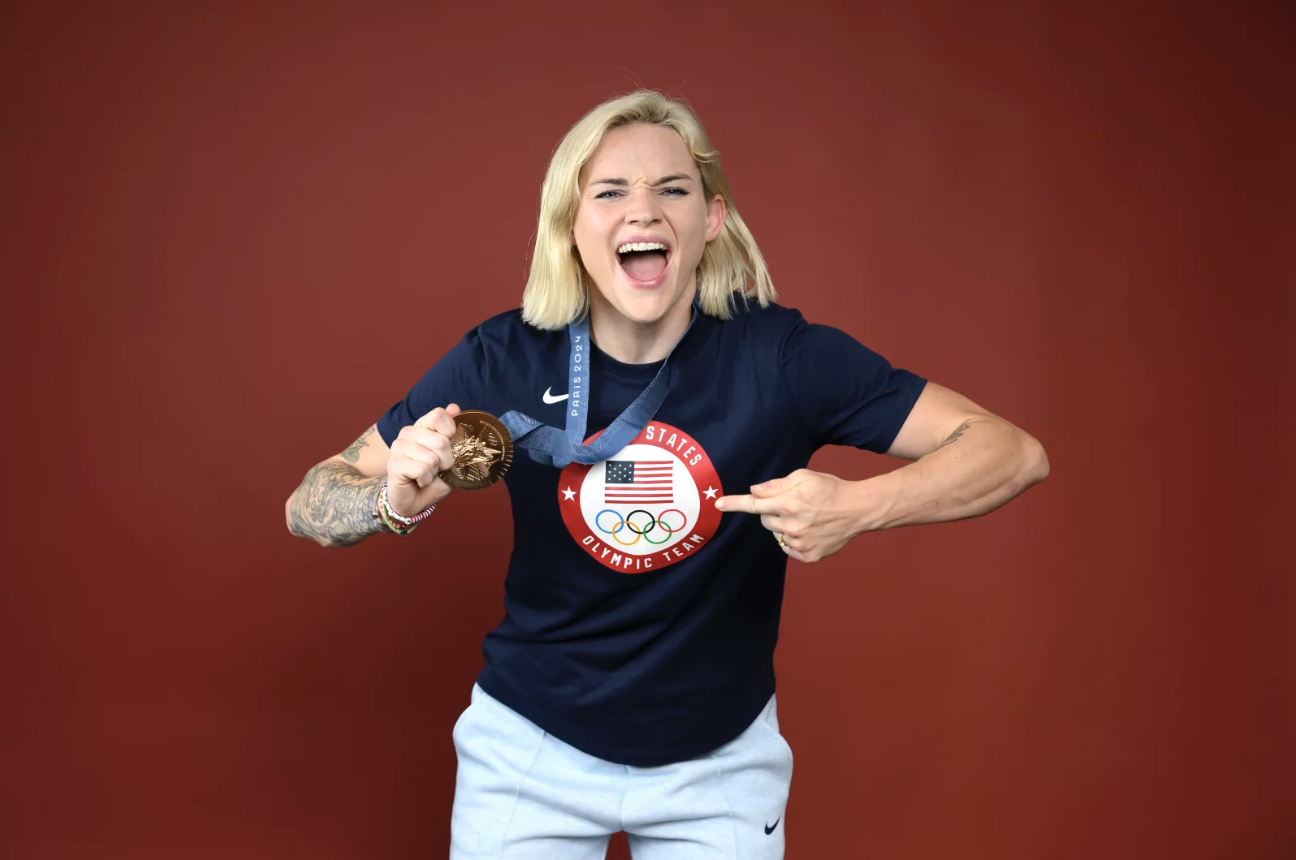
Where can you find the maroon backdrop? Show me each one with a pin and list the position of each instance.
(235, 233)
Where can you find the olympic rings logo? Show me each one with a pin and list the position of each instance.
(641, 530)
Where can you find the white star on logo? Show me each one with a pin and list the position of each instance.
(568, 494)
(710, 493)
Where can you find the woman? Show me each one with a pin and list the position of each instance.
(631, 685)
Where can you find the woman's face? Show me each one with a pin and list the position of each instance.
(641, 188)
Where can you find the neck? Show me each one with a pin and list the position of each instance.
(632, 342)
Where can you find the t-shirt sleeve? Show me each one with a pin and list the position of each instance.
(844, 393)
(458, 377)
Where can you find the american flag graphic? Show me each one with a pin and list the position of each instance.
(638, 482)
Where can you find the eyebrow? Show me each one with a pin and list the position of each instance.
(674, 177)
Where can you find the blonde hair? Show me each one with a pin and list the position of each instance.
(557, 293)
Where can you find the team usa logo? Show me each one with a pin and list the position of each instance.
(648, 506)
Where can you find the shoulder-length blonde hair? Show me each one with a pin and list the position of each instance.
(557, 292)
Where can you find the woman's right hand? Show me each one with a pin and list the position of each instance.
(418, 456)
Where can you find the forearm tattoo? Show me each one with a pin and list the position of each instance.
(352, 453)
(953, 437)
(335, 503)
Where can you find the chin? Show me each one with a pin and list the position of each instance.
(646, 304)
(643, 313)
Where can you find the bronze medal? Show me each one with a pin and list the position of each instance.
(483, 451)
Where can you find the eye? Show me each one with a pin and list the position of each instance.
(674, 192)
(603, 195)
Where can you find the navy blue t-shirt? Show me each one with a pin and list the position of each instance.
(640, 623)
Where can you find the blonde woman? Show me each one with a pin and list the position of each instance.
(664, 408)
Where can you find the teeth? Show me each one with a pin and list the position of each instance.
(640, 246)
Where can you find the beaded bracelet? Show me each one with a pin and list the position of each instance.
(409, 521)
(385, 508)
(381, 514)
(400, 532)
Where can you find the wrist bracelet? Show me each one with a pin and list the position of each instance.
(394, 527)
(409, 521)
(381, 515)
(391, 518)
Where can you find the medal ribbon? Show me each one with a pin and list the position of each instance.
(551, 447)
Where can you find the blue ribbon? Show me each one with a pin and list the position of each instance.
(551, 447)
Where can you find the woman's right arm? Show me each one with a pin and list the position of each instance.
(335, 502)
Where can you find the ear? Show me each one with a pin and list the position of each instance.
(715, 217)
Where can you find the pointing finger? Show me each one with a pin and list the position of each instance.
(748, 505)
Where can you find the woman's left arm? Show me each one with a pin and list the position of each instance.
(967, 462)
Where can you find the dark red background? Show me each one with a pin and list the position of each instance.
(234, 233)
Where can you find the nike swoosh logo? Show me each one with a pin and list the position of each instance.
(550, 398)
(770, 828)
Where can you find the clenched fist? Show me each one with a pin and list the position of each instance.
(418, 455)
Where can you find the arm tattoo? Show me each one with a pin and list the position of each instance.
(335, 503)
(953, 437)
(352, 453)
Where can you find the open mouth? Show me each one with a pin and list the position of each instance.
(643, 261)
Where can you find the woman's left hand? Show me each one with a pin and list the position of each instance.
(814, 513)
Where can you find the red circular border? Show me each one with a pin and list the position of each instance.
(664, 556)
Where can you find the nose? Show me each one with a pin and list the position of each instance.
(643, 207)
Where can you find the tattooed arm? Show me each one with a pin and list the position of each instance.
(334, 504)
(967, 462)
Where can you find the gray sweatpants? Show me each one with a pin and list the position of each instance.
(522, 794)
